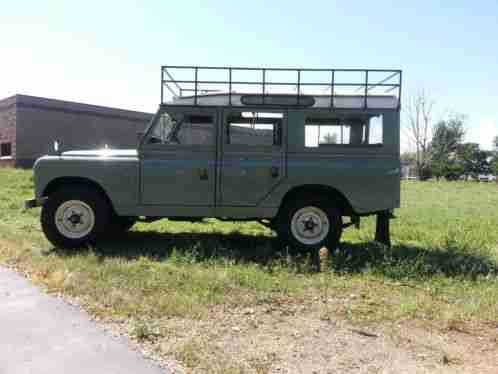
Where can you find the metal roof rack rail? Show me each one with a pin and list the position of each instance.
(281, 87)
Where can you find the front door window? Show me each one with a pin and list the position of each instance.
(183, 129)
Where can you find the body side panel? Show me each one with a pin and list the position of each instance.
(369, 184)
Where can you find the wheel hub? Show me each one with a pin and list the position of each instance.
(310, 225)
(74, 219)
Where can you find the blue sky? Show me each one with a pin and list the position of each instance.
(109, 53)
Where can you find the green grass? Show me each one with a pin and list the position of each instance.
(442, 269)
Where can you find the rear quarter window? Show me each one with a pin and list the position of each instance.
(354, 132)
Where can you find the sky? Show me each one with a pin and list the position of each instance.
(110, 52)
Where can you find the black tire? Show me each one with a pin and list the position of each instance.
(92, 198)
(285, 218)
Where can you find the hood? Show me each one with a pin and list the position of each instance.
(104, 152)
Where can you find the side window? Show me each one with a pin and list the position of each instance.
(376, 133)
(343, 131)
(184, 129)
(194, 130)
(254, 128)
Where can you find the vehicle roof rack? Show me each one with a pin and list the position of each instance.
(281, 87)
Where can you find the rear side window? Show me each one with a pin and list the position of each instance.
(322, 132)
(254, 129)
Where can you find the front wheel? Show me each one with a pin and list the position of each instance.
(74, 216)
(310, 224)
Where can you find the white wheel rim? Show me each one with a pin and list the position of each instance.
(310, 225)
(74, 219)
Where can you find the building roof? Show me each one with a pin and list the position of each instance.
(70, 106)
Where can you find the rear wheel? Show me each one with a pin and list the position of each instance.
(75, 216)
(310, 223)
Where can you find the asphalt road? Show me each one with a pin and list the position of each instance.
(41, 334)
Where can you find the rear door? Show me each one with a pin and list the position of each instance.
(252, 155)
(178, 159)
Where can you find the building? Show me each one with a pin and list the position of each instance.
(29, 126)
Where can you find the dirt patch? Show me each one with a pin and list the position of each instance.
(301, 338)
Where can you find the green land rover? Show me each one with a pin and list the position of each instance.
(298, 150)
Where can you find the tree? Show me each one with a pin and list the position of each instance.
(494, 161)
(447, 135)
(493, 167)
(417, 127)
(473, 159)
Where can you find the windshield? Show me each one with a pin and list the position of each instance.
(163, 129)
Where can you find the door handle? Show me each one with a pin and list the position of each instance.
(203, 174)
(274, 172)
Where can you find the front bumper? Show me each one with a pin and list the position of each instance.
(33, 203)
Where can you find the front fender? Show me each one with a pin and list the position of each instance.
(117, 176)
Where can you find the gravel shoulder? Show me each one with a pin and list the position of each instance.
(298, 339)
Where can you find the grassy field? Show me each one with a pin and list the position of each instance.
(441, 273)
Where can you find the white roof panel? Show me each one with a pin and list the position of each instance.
(321, 101)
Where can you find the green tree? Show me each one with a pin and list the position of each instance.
(473, 159)
(494, 161)
(447, 135)
(493, 167)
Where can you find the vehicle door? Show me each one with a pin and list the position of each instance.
(178, 157)
(252, 155)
